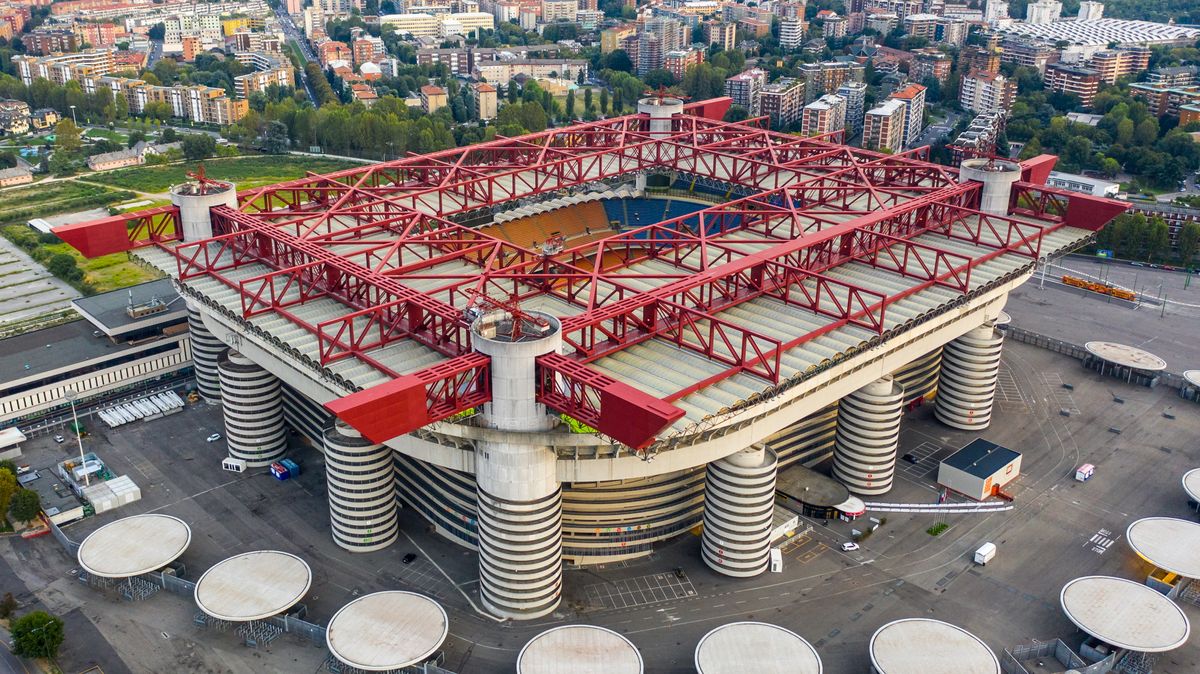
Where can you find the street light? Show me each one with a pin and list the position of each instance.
(71, 395)
(73, 120)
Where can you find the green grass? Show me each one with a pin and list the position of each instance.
(110, 272)
(40, 200)
(937, 529)
(246, 172)
(116, 136)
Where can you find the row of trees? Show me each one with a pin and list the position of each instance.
(1135, 237)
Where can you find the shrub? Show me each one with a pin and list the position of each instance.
(37, 635)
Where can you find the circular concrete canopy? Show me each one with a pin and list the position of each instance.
(756, 647)
(1128, 356)
(253, 585)
(1192, 377)
(387, 631)
(1003, 319)
(579, 649)
(1168, 543)
(1191, 483)
(134, 545)
(925, 646)
(1125, 614)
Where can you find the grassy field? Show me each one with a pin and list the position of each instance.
(110, 272)
(107, 133)
(246, 172)
(40, 200)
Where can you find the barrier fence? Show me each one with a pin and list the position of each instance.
(1170, 379)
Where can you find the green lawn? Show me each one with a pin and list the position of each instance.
(40, 200)
(246, 172)
(116, 136)
(110, 272)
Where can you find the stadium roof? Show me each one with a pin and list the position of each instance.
(821, 250)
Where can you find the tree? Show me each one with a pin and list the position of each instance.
(63, 266)
(604, 101)
(1189, 242)
(736, 113)
(8, 488)
(135, 137)
(571, 104)
(25, 505)
(588, 105)
(199, 146)
(1159, 240)
(618, 59)
(659, 77)
(275, 138)
(157, 32)
(37, 635)
(167, 136)
(67, 136)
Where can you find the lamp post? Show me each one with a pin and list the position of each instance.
(73, 120)
(71, 395)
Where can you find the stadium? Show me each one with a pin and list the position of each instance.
(577, 344)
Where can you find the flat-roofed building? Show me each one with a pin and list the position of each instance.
(433, 98)
(982, 91)
(912, 97)
(824, 115)
(1080, 82)
(782, 101)
(485, 101)
(883, 126)
(744, 88)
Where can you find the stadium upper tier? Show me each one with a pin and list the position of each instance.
(820, 252)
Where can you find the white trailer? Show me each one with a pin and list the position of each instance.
(985, 553)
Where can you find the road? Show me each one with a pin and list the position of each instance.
(306, 54)
(935, 132)
(1192, 187)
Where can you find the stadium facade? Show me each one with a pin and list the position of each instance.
(576, 344)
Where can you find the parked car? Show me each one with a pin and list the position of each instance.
(408, 559)
(910, 457)
(213, 438)
(59, 439)
(849, 546)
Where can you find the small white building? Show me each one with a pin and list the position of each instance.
(979, 470)
(1083, 184)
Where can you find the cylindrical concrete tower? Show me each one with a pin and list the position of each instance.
(195, 200)
(661, 110)
(967, 384)
(253, 407)
(997, 177)
(868, 432)
(739, 501)
(362, 490)
(206, 353)
(519, 498)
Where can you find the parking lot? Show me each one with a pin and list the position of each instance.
(1058, 529)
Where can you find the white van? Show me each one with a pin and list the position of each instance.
(985, 553)
(776, 561)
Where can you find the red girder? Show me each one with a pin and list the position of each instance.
(361, 236)
(616, 409)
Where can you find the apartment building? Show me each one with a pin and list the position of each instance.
(1176, 76)
(1112, 64)
(677, 62)
(46, 41)
(782, 101)
(433, 99)
(503, 71)
(982, 91)
(1165, 100)
(979, 58)
(1029, 53)
(931, 64)
(912, 97)
(63, 68)
(610, 39)
(724, 35)
(791, 32)
(486, 101)
(824, 115)
(855, 95)
(825, 78)
(1081, 82)
(883, 126)
(745, 87)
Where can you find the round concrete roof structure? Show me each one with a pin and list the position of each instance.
(1168, 543)
(579, 649)
(1125, 614)
(1192, 377)
(1191, 483)
(134, 545)
(1003, 319)
(253, 585)
(1128, 356)
(925, 646)
(387, 631)
(756, 647)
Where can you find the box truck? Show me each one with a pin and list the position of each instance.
(985, 553)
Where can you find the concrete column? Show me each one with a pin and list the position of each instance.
(967, 383)
(997, 177)
(206, 353)
(660, 110)
(739, 501)
(868, 433)
(519, 498)
(362, 491)
(253, 406)
(196, 201)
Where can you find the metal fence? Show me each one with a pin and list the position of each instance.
(1010, 661)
